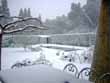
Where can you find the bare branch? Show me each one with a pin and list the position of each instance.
(1, 26)
(16, 26)
(23, 20)
(22, 29)
(1, 16)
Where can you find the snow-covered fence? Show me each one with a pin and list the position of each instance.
(64, 39)
(74, 39)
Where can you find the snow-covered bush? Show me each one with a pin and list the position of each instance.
(23, 63)
(68, 56)
(27, 62)
(80, 56)
(88, 54)
(36, 49)
(42, 60)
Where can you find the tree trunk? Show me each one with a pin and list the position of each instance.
(101, 59)
(0, 48)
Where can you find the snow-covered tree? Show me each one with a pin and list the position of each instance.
(10, 27)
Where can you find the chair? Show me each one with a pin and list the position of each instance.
(84, 73)
(105, 78)
(71, 68)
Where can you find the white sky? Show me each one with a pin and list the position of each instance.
(0, 2)
(47, 8)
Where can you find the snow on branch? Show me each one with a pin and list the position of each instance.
(22, 20)
(11, 26)
(24, 28)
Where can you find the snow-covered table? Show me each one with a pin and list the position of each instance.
(38, 74)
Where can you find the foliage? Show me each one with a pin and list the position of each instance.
(92, 9)
(8, 42)
(58, 25)
(78, 19)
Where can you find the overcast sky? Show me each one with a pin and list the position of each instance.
(47, 8)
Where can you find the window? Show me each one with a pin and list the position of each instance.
(67, 33)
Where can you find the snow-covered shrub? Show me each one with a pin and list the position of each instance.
(42, 60)
(9, 42)
(68, 56)
(88, 54)
(28, 62)
(23, 63)
(35, 48)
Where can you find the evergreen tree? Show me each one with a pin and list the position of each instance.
(92, 8)
(4, 4)
(21, 13)
(40, 17)
(5, 11)
(29, 12)
(78, 18)
(25, 12)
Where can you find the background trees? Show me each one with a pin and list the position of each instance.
(92, 8)
(79, 19)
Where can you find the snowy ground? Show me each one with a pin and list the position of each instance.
(11, 55)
